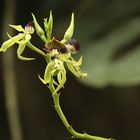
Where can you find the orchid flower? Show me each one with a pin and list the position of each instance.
(21, 39)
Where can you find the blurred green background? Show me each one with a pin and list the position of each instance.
(107, 103)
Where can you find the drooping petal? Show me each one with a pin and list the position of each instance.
(76, 71)
(17, 27)
(42, 80)
(59, 77)
(75, 63)
(9, 43)
(20, 51)
(55, 83)
(69, 33)
(47, 73)
(62, 80)
(25, 40)
(9, 35)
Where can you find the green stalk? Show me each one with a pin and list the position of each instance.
(32, 47)
(59, 111)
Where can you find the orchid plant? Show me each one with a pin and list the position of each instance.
(58, 55)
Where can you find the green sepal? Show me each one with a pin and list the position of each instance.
(26, 39)
(17, 27)
(9, 35)
(69, 33)
(47, 73)
(61, 81)
(42, 80)
(64, 56)
(75, 63)
(59, 77)
(49, 26)
(76, 71)
(20, 51)
(9, 43)
(38, 29)
(54, 82)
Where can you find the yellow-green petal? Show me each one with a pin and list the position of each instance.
(9, 43)
(62, 80)
(17, 27)
(75, 63)
(47, 73)
(42, 80)
(26, 39)
(20, 51)
(59, 77)
(75, 71)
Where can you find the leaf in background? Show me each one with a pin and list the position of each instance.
(102, 69)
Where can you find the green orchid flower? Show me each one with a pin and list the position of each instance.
(21, 39)
(61, 53)
(58, 55)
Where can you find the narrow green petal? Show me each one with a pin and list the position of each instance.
(75, 63)
(62, 80)
(54, 82)
(38, 29)
(20, 51)
(64, 57)
(9, 35)
(75, 71)
(17, 27)
(69, 33)
(26, 39)
(48, 72)
(42, 80)
(59, 77)
(9, 43)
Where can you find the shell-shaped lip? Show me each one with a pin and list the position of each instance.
(55, 44)
(73, 46)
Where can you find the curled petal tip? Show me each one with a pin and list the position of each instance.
(42, 80)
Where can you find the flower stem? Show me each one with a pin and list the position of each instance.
(74, 134)
(32, 47)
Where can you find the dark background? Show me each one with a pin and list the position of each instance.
(110, 108)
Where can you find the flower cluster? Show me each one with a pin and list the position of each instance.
(56, 53)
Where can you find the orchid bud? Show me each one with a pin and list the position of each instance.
(69, 33)
(39, 30)
(29, 28)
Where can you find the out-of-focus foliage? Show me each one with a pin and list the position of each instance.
(104, 68)
(111, 45)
